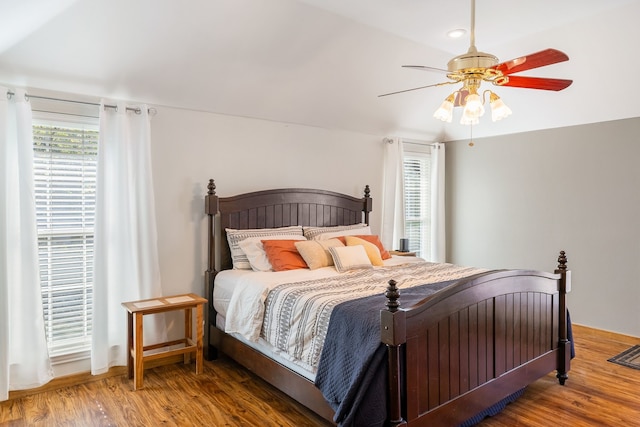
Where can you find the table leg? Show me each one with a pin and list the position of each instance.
(129, 344)
(187, 333)
(139, 368)
(199, 334)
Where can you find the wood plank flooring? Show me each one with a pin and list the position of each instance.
(598, 393)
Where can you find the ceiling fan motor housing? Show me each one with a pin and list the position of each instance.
(473, 60)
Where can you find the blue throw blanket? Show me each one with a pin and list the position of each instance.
(352, 368)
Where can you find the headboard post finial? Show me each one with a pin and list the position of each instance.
(211, 187)
(367, 191)
(562, 261)
(392, 295)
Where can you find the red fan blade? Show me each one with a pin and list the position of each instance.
(425, 68)
(529, 62)
(538, 83)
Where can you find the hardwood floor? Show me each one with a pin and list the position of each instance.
(598, 393)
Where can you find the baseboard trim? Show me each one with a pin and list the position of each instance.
(86, 377)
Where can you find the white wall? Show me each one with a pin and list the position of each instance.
(515, 201)
(242, 155)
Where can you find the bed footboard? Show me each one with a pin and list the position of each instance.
(469, 347)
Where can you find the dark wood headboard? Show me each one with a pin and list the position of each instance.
(271, 209)
(277, 208)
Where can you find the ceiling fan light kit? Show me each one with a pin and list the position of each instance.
(473, 107)
(473, 67)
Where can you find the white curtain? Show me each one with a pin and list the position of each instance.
(392, 194)
(126, 255)
(24, 356)
(438, 225)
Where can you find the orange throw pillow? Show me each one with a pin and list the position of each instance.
(372, 238)
(283, 255)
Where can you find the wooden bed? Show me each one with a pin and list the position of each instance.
(450, 356)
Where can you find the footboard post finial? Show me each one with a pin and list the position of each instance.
(392, 295)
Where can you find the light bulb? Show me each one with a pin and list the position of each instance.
(468, 119)
(473, 106)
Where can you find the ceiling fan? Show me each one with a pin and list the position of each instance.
(473, 67)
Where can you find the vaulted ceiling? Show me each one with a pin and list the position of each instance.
(323, 62)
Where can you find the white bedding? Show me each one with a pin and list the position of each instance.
(239, 295)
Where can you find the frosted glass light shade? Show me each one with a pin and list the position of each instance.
(468, 119)
(473, 106)
(445, 112)
(499, 109)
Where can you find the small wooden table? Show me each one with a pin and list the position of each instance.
(400, 253)
(135, 312)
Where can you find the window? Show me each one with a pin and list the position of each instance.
(417, 198)
(65, 159)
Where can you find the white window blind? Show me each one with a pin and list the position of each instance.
(65, 158)
(417, 196)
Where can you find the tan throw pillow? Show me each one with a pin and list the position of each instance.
(372, 250)
(316, 252)
(350, 258)
(376, 241)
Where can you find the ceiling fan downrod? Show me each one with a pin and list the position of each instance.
(472, 60)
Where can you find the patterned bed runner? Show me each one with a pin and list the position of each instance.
(297, 314)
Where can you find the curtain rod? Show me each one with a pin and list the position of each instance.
(404, 141)
(151, 111)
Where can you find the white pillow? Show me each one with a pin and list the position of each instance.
(350, 232)
(253, 249)
(311, 233)
(348, 258)
(234, 237)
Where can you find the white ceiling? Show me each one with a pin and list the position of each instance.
(323, 62)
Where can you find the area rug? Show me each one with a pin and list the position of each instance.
(629, 358)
